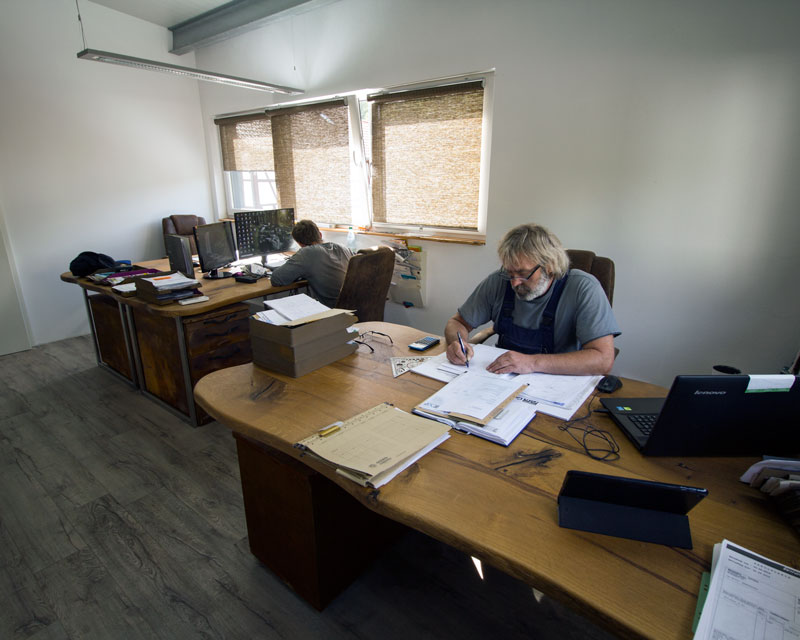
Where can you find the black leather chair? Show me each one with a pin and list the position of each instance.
(182, 225)
(366, 283)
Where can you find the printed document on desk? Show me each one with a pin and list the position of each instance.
(502, 429)
(557, 395)
(750, 597)
(440, 368)
(475, 396)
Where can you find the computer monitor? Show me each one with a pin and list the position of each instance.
(260, 233)
(216, 248)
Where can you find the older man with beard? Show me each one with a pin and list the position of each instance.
(552, 319)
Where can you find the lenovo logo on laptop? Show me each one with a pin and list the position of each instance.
(709, 393)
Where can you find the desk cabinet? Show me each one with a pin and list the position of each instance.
(212, 340)
(111, 338)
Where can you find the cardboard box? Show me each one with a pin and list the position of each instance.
(297, 350)
(300, 367)
(302, 333)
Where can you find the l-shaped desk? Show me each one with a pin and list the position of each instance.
(165, 349)
(316, 529)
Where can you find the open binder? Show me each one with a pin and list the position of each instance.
(628, 507)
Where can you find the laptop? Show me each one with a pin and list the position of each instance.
(711, 415)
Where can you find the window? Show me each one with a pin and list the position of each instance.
(426, 156)
(391, 159)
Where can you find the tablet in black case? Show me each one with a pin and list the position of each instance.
(628, 508)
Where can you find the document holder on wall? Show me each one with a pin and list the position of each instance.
(628, 508)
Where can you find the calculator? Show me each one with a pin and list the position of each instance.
(424, 343)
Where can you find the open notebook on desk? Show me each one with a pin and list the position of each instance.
(557, 395)
(482, 404)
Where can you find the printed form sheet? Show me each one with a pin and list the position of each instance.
(750, 598)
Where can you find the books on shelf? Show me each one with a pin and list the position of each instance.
(373, 447)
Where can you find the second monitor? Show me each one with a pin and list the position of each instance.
(216, 248)
(260, 233)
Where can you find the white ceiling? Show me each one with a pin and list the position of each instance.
(166, 13)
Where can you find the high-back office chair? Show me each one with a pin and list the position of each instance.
(600, 267)
(182, 225)
(366, 283)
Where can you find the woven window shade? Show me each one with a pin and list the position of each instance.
(307, 146)
(426, 153)
(246, 144)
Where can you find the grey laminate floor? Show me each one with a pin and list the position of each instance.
(118, 520)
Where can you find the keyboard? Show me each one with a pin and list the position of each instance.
(643, 421)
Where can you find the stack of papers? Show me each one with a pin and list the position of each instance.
(172, 282)
(749, 596)
(556, 395)
(481, 404)
(291, 309)
(373, 447)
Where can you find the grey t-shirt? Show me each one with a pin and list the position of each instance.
(323, 265)
(583, 313)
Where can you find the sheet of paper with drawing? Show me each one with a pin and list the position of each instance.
(374, 446)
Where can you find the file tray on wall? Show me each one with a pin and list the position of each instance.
(628, 508)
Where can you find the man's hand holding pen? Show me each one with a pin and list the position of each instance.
(459, 351)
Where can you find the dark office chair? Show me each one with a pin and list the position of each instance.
(600, 267)
(182, 225)
(366, 283)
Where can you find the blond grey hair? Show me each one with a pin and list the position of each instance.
(535, 243)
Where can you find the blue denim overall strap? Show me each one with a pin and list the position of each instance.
(516, 338)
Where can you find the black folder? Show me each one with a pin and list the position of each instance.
(628, 508)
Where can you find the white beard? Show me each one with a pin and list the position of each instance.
(526, 293)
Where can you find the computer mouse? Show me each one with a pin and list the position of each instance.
(609, 384)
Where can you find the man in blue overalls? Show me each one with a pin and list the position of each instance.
(552, 319)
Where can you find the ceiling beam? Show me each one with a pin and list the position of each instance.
(231, 19)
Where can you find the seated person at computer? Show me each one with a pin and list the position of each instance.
(552, 319)
(323, 264)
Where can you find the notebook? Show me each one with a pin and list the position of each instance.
(714, 415)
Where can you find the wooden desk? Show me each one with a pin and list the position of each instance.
(165, 349)
(495, 503)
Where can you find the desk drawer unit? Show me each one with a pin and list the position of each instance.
(213, 340)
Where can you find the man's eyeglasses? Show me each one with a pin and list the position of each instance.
(505, 275)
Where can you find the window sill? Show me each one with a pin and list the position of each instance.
(453, 238)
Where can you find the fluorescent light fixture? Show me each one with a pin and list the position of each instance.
(186, 72)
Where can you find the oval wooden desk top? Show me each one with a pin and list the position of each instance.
(221, 292)
(499, 503)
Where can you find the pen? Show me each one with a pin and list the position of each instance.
(331, 428)
(464, 351)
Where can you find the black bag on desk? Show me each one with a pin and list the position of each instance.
(87, 262)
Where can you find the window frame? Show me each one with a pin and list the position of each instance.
(361, 166)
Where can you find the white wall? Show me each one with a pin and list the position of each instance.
(92, 156)
(665, 135)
